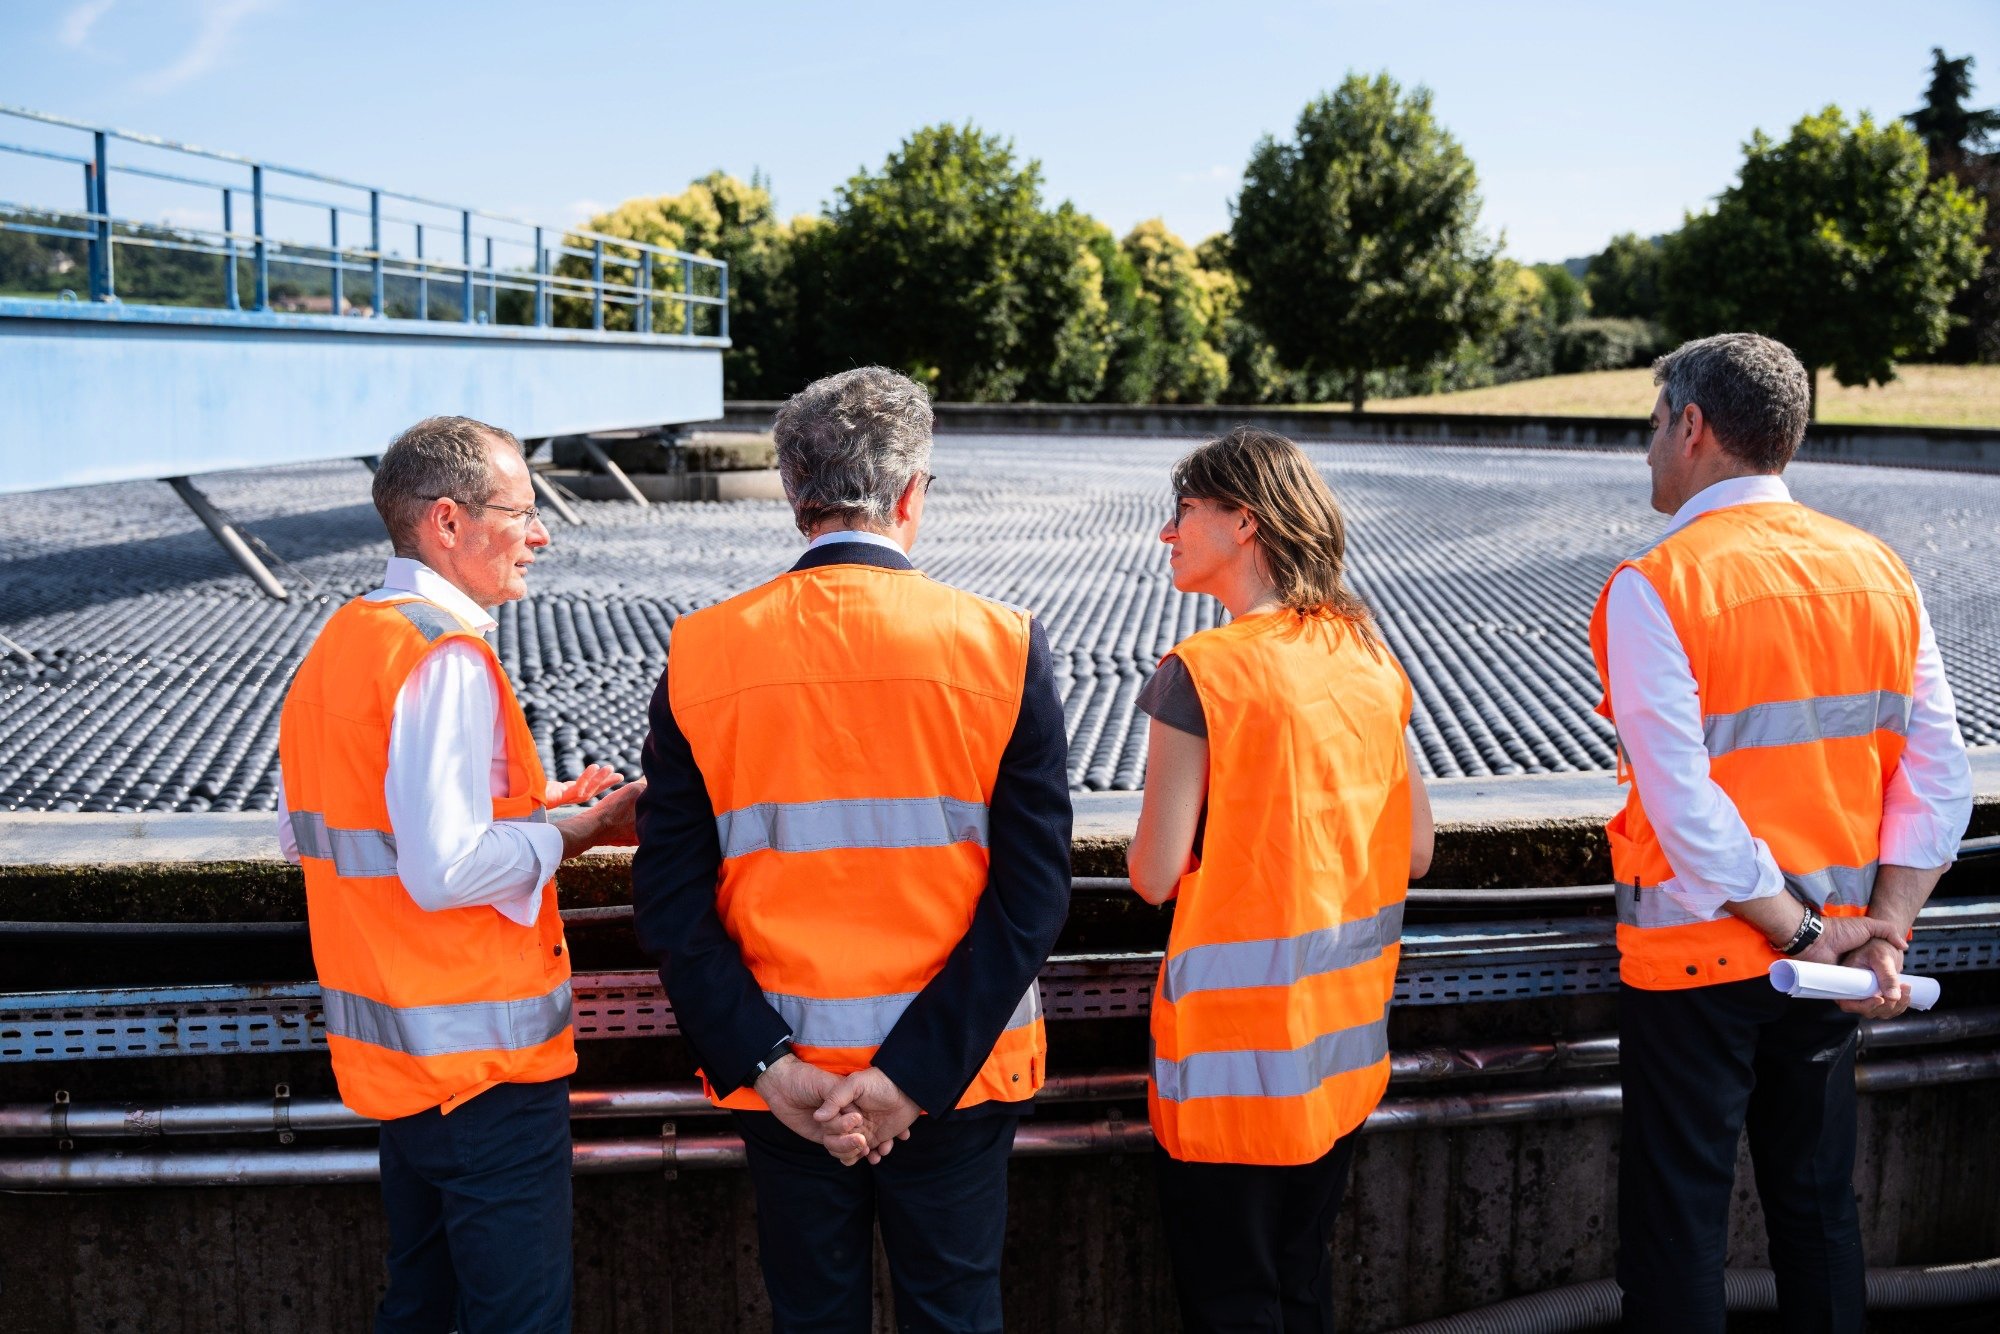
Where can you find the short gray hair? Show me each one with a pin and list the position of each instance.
(848, 445)
(439, 456)
(1752, 390)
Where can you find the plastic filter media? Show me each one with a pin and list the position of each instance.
(156, 670)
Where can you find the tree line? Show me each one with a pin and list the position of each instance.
(1354, 266)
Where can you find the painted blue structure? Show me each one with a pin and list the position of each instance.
(339, 345)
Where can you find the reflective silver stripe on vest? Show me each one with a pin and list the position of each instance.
(865, 1021)
(867, 822)
(1845, 886)
(432, 621)
(1794, 722)
(1272, 1074)
(1283, 960)
(358, 853)
(363, 854)
(444, 1030)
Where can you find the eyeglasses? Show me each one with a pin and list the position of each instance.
(532, 514)
(929, 477)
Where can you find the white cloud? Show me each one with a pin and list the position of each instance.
(583, 210)
(1217, 173)
(83, 17)
(219, 21)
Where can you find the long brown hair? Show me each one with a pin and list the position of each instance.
(1301, 533)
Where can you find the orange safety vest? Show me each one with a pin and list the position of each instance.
(1270, 1021)
(849, 721)
(423, 1009)
(1802, 635)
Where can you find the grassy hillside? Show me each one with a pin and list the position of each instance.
(1919, 395)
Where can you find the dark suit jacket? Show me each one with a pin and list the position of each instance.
(944, 1036)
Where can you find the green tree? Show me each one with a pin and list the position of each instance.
(719, 217)
(1564, 297)
(1357, 242)
(1949, 128)
(1624, 279)
(1833, 242)
(1164, 353)
(945, 265)
(1956, 136)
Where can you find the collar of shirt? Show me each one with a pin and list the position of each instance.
(1760, 489)
(404, 575)
(855, 535)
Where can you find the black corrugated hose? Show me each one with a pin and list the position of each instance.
(1595, 1305)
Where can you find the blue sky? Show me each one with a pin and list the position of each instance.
(1584, 119)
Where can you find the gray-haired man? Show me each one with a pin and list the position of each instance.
(1798, 784)
(853, 860)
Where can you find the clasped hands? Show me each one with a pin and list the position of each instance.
(1871, 943)
(856, 1116)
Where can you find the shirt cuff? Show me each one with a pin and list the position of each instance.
(1706, 901)
(1919, 839)
(547, 842)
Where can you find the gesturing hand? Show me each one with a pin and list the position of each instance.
(593, 780)
(796, 1092)
(1884, 958)
(886, 1111)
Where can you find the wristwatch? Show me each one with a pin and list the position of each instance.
(1808, 933)
(778, 1052)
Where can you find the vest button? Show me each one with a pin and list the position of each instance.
(559, 955)
(1723, 962)
(1692, 970)
(1017, 1079)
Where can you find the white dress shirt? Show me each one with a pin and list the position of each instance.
(1715, 857)
(447, 757)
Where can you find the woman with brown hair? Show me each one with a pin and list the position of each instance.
(1284, 813)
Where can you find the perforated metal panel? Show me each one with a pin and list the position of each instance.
(1458, 964)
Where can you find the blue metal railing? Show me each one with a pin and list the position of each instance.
(564, 277)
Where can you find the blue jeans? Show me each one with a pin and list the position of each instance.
(479, 1215)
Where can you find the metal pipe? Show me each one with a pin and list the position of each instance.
(465, 287)
(262, 251)
(597, 285)
(1598, 1304)
(554, 499)
(541, 283)
(673, 1151)
(222, 529)
(105, 286)
(610, 467)
(375, 245)
(230, 295)
(116, 1120)
(335, 278)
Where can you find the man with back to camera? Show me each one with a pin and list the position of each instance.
(1798, 785)
(415, 801)
(853, 861)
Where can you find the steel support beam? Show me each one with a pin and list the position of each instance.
(553, 497)
(224, 531)
(609, 466)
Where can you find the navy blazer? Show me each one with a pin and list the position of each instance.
(944, 1036)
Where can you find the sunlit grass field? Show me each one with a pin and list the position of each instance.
(1919, 395)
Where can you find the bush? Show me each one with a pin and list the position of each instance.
(1605, 345)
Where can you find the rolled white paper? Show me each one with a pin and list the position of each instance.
(1830, 981)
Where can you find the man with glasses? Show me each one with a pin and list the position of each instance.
(416, 804)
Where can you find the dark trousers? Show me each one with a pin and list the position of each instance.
(941, 1199)
(1250, 1245)
(479, 1215)
(1698, 1067)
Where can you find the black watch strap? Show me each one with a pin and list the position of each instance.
(1807, 935)
(781, 1049)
